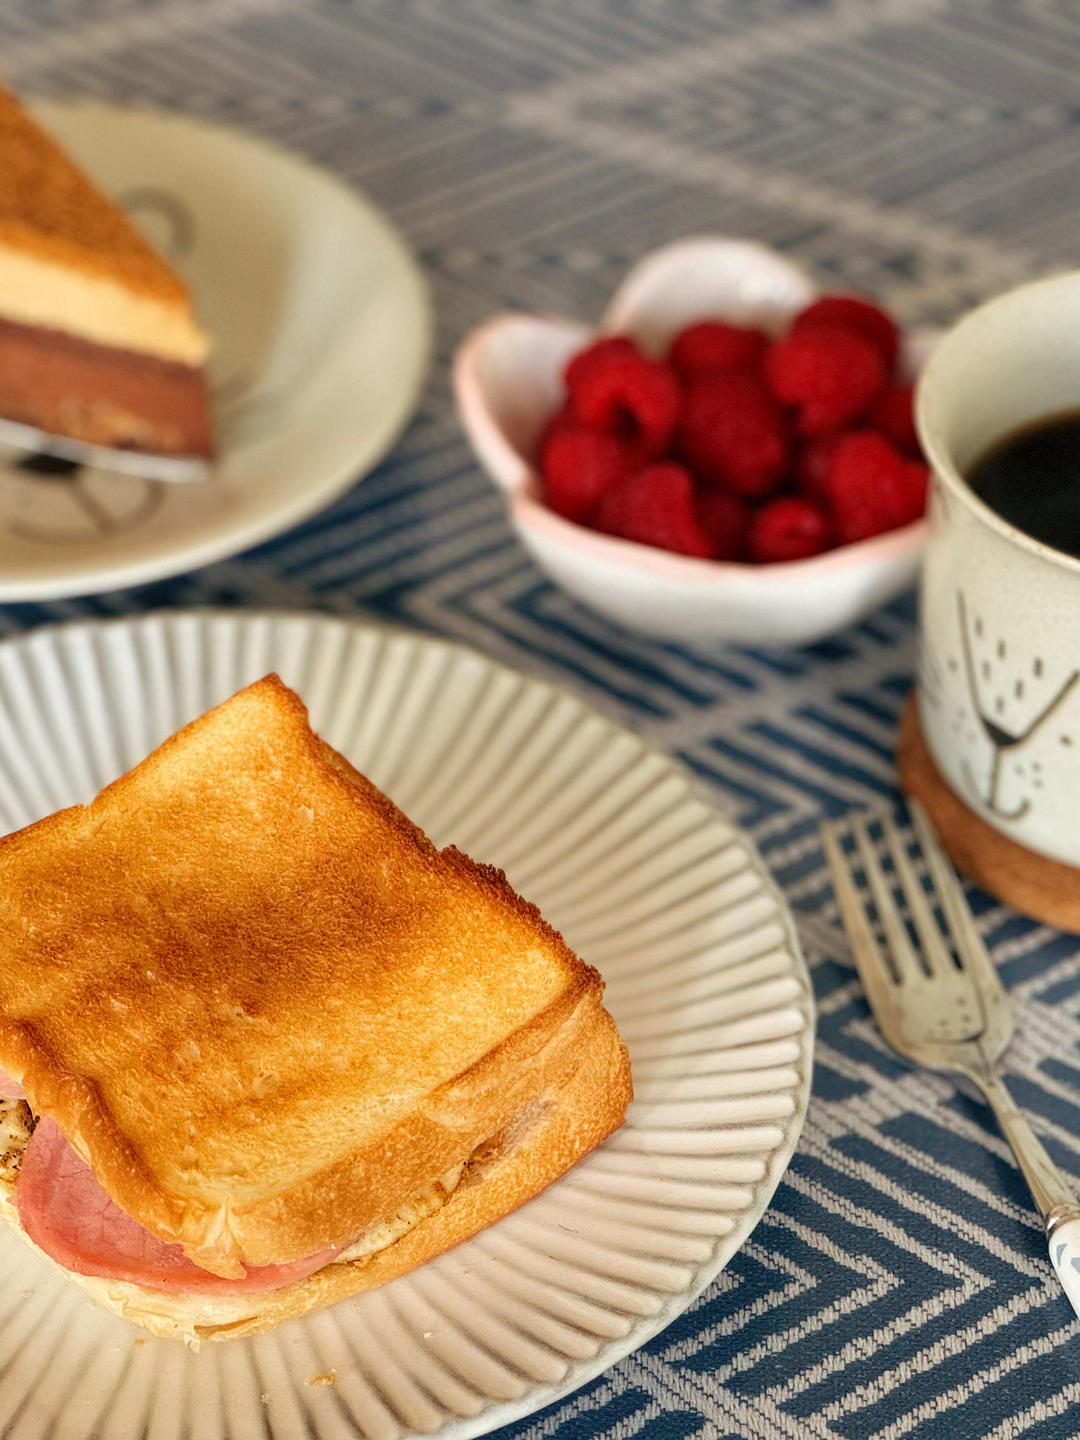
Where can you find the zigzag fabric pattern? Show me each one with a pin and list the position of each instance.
(920, 150)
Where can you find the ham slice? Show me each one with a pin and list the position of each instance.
(10, 1089)
(66, 1212)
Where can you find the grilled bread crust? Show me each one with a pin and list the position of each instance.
(267, 1010)
(538, 1146)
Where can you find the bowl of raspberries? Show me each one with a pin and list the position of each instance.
(730, 457)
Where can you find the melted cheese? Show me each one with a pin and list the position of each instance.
(418, 1207)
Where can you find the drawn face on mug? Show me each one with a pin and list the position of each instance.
(999, 645)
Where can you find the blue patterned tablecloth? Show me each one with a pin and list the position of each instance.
(921, 150)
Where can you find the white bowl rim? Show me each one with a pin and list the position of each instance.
(627, 294)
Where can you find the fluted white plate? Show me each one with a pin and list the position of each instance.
(645, 879)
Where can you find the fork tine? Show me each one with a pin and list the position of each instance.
(869, 961)
(901, 950)
(969, 944)
(935, 952)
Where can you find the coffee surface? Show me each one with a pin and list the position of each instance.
(1031, 477)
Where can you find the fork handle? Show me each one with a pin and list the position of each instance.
(1052, 1194)
(1049, 1189)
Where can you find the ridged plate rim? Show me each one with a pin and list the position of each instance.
(540, 1395)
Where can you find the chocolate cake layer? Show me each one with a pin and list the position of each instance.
(102, 395)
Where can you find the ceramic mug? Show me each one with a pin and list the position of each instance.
(999, 638)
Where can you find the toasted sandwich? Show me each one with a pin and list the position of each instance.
(263, 1045)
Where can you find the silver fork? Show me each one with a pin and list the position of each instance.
(944, 1012)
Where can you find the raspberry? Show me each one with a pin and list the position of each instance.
(713, 345)
(655, 507)
(872, 488)
(788, 528)
(832, 376)
(634, 398)
(892, 414)
(849, 312)
(732, 433)
(726, 521)
(812, 463)
(578, 466)
(607, 348)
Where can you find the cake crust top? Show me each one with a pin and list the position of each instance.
(51, 212)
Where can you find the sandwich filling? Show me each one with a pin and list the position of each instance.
(57, 1201)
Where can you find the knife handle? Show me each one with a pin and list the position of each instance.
(1064, 1241)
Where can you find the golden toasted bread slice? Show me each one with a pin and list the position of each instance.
(270, 1014)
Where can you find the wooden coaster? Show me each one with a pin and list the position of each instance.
(1047, 890)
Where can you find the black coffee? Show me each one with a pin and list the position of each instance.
(1032, 479)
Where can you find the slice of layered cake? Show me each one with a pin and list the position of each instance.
(98, 338)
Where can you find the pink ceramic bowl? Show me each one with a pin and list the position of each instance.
(508, 381)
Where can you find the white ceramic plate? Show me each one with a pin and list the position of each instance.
(322, 333)
(646, 880)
